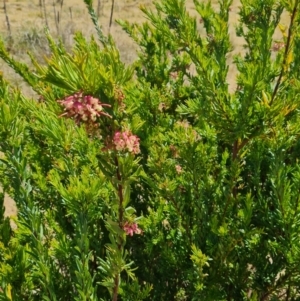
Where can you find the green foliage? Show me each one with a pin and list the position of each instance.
(154, 181)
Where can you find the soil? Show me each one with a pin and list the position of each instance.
(22, 21)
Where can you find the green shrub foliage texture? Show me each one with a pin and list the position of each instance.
(157, 180)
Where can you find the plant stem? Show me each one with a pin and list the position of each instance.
(286, 52)
(94, 18)
(6, 18)
(120, 193)
(70, 9)
(120, 220)
(116, 288)
(111, 13)
(56, 18)
(45, 14)
(98, 8)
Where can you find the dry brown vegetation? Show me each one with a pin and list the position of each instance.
(22, 25)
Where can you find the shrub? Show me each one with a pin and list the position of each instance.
(150, 181)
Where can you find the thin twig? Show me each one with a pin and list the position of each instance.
(111, 14)
(56, 18)
(61, 11)
(71, 16)
(45, 14)
(41, 8)
(6, 17)
(98, 8)
(120, 220)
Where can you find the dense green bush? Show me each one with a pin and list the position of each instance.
(150, 181)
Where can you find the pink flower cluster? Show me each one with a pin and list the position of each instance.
(178, 169)
(131, 228)
(277, 46)
(126, 141)
(83, 107)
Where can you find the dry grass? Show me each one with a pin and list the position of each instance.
(27, 20)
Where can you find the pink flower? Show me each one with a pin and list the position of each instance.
(130, 229)
(178, 169)
(126, 141)
(277, 46)
(174, 75)
(82, 107)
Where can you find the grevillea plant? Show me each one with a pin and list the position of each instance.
(154, 181)
(76, 164)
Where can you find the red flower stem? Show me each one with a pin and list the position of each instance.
(116, 288)
(120, 194)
